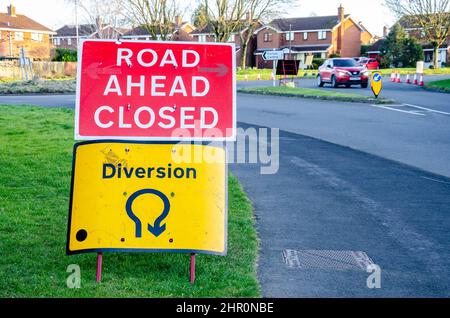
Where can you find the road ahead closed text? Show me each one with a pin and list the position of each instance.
(154, 90)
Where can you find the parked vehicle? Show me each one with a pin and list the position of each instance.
(370, 64)
(342, 71)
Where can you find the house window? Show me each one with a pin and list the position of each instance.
(69, 41)
(322, 35)
(202, 38)
(267, 37)
(290, 36)
(232, 38)
(36, 37)
(422, 34)
(18, 36)
(305, 36)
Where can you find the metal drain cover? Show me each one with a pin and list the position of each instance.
(327, 259)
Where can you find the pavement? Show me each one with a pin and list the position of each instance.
(353, 179)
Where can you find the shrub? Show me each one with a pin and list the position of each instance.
(65, 55)
(316, 62)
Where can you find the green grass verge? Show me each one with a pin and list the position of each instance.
(35, 160)
(405, 71)
(252, 74)
(61, 86)
(313, 93)
(441, 86)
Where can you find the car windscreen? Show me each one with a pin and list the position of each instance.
(345, 63)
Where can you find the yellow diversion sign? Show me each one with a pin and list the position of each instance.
(376, 83)
(148, 197)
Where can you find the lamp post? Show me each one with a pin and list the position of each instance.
(76, 23)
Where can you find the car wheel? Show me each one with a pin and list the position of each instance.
(364, 85)
(319, 81)
(334, 82)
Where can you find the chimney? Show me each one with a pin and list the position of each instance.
(385, 31)
(98, 23)
(341, 13)
(11, 10)
(178, 20)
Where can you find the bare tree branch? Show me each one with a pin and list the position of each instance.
(156, 16)
(102, 17)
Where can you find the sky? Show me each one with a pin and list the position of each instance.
(56, 13)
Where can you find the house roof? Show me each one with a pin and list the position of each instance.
(306, 23)
(141, 30)
(209, 29)
(21, 22)
(309, 48)
(70, 30)
(376, 47)
(84, 30)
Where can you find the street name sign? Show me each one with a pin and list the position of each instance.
(139, 197)
(144, 90)
(273, 55)
(376, 83)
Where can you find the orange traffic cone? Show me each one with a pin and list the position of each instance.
(421, 83)
(258, 77)
(272, 76)
(246, 77)
(399, 79)
(408, 80)
(415, 80)
(393, 76)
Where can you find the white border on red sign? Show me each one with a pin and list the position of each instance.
(153, 138)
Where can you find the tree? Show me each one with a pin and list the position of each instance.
(257, 11)
(392, 47)
(199, 17)
(399, 50)
(432, 16)
(230, 16)
(156, 16)
(225, 16)
(412, 53)
(103, 17)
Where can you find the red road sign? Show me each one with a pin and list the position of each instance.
(145, 90)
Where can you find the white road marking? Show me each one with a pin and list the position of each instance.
(399, 110)
(435, 180)
(427, 109)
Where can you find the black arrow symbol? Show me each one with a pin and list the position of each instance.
(156, 229)
(221, 70)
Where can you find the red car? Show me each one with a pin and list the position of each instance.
(370, 64)
(342, 71)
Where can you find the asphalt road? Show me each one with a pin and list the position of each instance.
(67, 100)
(353, 177)
(400, 93)
(327, 197)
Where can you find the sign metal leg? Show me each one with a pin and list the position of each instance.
(99, 267)
(192, 276)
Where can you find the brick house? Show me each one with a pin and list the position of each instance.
(206, 34)
(320, 36)
(181, 32)
(17, 31)
(66, 36)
